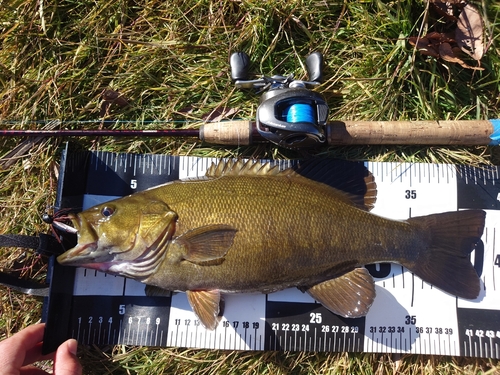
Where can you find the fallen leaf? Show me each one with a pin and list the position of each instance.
(448, 53)
(424, 46)
(110, 97)
(469, 32)
(114, 97)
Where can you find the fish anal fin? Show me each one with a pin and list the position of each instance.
(349, 295)
(446, 264)
(209, 243)
(206, 304)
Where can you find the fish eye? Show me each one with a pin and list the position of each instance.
(107, 211)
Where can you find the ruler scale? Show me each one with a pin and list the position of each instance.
(408, 315)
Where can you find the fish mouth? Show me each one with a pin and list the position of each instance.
(86, 253)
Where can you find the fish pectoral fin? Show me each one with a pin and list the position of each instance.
(349, 295)
(206, 244)
(207, 305)
(155, 291)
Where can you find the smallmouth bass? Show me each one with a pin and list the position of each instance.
(249, 227)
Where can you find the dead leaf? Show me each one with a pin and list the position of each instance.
(459, 28)
(469, 32)
(448, 53)
(114, 97)
(424, 46)
(110, 97)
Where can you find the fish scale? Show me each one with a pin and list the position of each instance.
(307, 331)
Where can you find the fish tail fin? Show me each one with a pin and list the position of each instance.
(446, 263)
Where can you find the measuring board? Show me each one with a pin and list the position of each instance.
(408, 315)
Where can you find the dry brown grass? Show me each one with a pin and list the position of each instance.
(170, 60)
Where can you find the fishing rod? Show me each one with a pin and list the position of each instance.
(338, 133)
(292, 115)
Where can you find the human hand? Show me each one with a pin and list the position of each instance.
(19, 351)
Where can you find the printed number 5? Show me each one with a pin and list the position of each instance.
(133, 184)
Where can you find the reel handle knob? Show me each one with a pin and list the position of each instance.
(314, 64)
(239, 62)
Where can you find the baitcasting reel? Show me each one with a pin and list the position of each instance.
(290, 114)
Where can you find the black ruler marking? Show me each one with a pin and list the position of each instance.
(478, 187)
(310, 327)
(127, 320)
(479, 332)
(128, 168)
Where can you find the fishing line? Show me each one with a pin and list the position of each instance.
(300, 112)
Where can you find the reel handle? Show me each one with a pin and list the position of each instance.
(239, 62)
(314, 65)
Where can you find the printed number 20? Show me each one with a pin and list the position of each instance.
(411, 194)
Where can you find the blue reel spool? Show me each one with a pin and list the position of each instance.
(300, 112)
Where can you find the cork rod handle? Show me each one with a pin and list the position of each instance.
(461, 132)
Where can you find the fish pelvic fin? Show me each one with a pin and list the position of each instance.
(207, 305)
(446, 263)
(205, 245)
(349, 295)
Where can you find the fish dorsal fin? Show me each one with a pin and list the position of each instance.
(370, 197)
(206, 304)
(352, 180)
(245, 168)
(355, 187)
(349, 295)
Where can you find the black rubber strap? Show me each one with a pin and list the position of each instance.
(24, 286)
(43, 244)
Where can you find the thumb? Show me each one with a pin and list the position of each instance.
(66, 361)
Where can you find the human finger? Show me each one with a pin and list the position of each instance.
(15, 349)
(66, 362)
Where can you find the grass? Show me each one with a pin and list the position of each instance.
(169, 59)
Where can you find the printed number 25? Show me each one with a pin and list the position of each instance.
(411, 194)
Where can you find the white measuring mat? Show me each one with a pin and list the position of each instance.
(408, 315)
